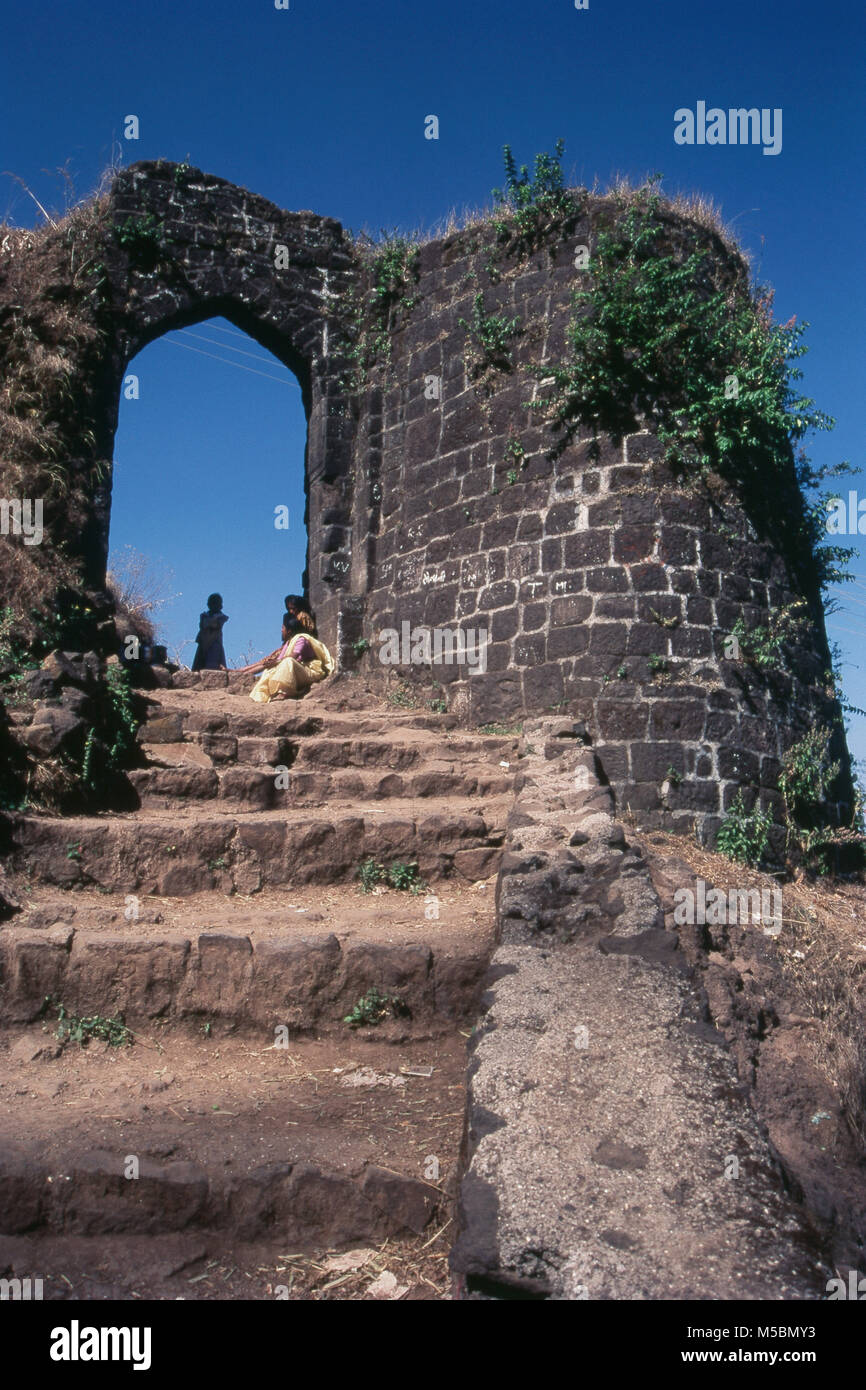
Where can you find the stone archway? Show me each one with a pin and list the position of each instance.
(184, 247)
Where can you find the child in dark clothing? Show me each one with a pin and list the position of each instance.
(210, 653)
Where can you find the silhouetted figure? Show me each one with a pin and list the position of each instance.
(210, 653)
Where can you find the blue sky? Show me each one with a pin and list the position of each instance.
(322, 106)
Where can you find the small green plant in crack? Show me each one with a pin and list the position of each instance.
(744, 835)
(75, 852)
(360, 646)
(82, 1029)
(621, 672)
(373, 1008)
(370, 874)
(400, 875)
(762, 645)
(657, 664)
(513, 447)
(141, 238)
(491, 335)
(401, 696)
(217, 864)
(87, 757)
(670, 622)
(405, 877)
(674, 777)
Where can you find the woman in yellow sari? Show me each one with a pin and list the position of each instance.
(293, 668)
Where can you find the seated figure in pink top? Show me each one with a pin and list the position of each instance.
(290, 670)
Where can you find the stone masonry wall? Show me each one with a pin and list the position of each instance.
(607, 587)
(436, 497)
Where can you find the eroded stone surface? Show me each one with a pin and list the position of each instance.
(612, 1152)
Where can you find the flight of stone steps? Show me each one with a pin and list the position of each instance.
(223, 920)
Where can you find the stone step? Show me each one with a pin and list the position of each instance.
(269, 737)
(323, 1144)
(301, 959)
(257, 788)
(175, 853)
(399, 753)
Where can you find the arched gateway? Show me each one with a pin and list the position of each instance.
(189, 247)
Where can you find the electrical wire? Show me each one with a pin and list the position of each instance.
(228, 362)
(227, 347)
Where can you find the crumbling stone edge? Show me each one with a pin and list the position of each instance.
(577, 910)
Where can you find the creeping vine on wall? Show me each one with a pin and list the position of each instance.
(674, 338)
(374, 314)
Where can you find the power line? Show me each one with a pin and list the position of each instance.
(849, 598)
(215, 342)
(218, 328)
(228, 362)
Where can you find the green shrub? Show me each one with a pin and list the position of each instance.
(491, 334)
(81, 1029)
(371, 319)
(679, 339)
(531, 207)
(372, 1008)
(744, 835)
(370, 873)
(806, 783)
(762, 645)
(110, 743)
(405, 877)
(399, 874)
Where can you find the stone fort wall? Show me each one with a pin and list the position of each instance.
(607, 588)
(436, 497)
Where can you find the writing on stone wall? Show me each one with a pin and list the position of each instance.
(424, 646)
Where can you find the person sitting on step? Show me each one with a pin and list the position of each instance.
(300, 662)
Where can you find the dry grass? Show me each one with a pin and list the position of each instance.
(821, 953)
(621, 192)
(49, 785)
(50, 346)
(139, 589)
(824, 965)
(420, 1267)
